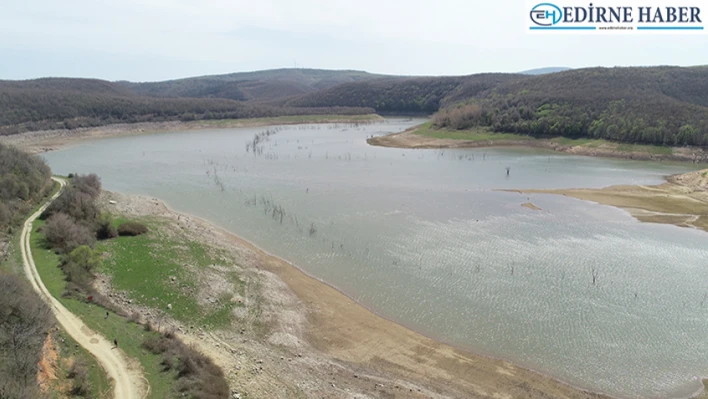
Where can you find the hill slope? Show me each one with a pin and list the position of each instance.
(59, 103)
(657, 105)
(251, 86)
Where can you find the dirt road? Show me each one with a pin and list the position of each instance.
(114, 361)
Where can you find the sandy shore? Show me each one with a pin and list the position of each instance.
(681, 201)
(319, 343)
(409, 139)
(51, 140)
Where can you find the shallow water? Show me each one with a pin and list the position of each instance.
(420, 237)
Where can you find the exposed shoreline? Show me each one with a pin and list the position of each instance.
(681, 201)
(341, 329)
(52, 140)
(409, 139)
(346, 332)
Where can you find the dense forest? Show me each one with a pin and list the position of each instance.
(24, 179)
(25, 319)
(661, 105)
(393, 95)
(54, 103)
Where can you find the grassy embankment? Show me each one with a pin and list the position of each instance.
(142, 267)
(485, 134)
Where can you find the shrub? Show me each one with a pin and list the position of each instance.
(132, 229)
(197, 376)
(80, 264)
(105, 229)
(80, 385)
(64, 234)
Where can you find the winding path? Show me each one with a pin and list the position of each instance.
(114, 361)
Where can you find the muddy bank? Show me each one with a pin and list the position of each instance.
(50, 140)
(299, 337)
(409, 139)
(681, 201)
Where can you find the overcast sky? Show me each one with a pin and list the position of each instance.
(146, 40)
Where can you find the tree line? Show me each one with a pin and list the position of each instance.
(24, 179)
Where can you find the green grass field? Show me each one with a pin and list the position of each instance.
(130, 335)
(485, 134)
(143, 265)
(476, 134)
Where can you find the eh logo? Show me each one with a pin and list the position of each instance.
(546, 14)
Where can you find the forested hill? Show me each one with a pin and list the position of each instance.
(657, 105)
(61, 103)
(251, 86)
(421, 95)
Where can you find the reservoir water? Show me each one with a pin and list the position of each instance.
(422, 238)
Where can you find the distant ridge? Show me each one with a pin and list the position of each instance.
(260, 86)
(543, 71)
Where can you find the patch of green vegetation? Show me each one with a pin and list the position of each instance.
(130, 335)
(474, 134)
(576, 142)
(144, 266)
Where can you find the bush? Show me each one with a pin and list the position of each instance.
(80, 385)
(132, 229)
(80, 264)
(105, 229)
(64, 234)
(197, 376)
